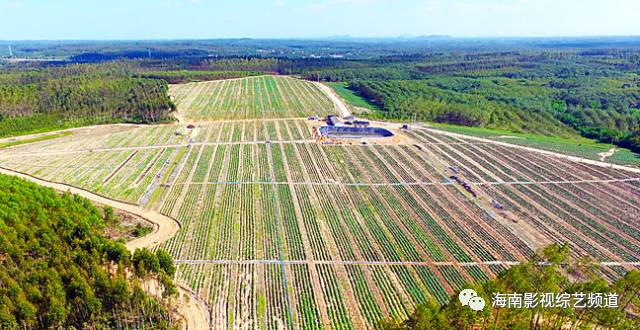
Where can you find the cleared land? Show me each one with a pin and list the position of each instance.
(292, 233)
(249, 98)
(579, 147)
(576, 146)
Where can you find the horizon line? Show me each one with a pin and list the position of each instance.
(328, 38)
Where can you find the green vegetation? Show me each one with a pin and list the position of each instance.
(555, 276)
(42, 99)
(593, 93)
(554, 92)
(35, 139)
(58, 271)
(184, 76)
(351, 97)
(242, 190)
(41, 123)
(462, 102)
(142, 230)
(251, 98)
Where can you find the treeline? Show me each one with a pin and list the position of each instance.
(606, 109)
(185, 76)
(97, 57)
(381, 73)
(275, 65)
(490, 104)
(594, 94)
(549, 271)
(44, 98)
(58, 271)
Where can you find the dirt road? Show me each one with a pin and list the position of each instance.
(190, 306)
(194, 310)
(337, 102)
(571, 158)
(165, 227)
(609, 153)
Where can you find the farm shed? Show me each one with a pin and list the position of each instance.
(333, 120)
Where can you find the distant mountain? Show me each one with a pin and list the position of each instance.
(400, 38)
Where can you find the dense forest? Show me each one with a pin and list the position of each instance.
(541, 86)
(344, 47)
(57, 270)
(36, 98)
(560, 93)
(184, 76)
(556, 92)
(549, 271)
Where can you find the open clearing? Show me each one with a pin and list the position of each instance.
(249, 98)
(279, 231)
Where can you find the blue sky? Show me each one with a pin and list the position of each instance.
(197, 19)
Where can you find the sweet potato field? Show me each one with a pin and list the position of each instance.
(248, 98)
(279, 231)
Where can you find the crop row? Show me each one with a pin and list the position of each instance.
(251, 131)
(107, 137)
(396, 220)
(255, 202)
(570, 208)
(589, 209)
(256, 296)
(253, 97)
(125, 175)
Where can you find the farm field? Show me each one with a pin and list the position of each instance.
(249, 98)
(279, 231)
(579, 147)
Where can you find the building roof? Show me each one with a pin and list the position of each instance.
(333, 120)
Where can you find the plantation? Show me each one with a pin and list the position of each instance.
(279, 231)
(577, 146)
(248, 98)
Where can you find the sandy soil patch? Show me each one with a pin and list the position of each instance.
(605, 155)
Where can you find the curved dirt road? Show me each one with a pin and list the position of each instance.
(190, 306)
(165, 227)
(337, 102)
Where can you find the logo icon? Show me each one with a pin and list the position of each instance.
(469, 297)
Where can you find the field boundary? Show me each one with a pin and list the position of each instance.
(382, 263)
(337, 102)
(403, 184)
(546, 152)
